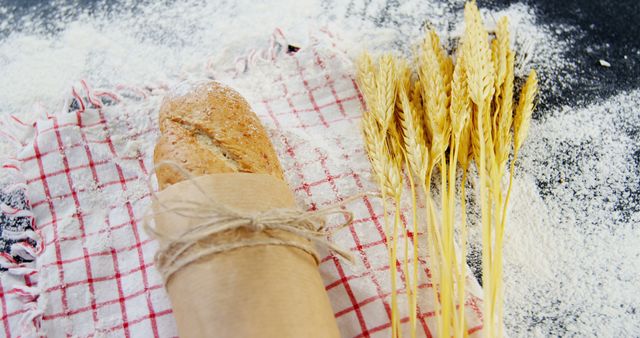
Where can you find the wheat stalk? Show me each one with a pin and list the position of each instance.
(480, 76)
(416, 150)
(434, 102)
(501, 132)
(480, 79)
(398, 157)
(460, 113)
(383, 137)
(521, 125)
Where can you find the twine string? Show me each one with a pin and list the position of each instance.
(214, 219)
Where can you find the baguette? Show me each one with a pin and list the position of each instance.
(262, 291)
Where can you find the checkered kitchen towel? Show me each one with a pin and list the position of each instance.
(84, 171)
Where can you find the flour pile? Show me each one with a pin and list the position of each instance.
(571, 258)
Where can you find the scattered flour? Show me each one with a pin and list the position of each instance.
(571, 257)
(571, 249)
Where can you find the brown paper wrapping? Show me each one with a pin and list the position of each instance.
(263, 291)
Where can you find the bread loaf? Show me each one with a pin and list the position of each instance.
(210, 128)
(270, 291)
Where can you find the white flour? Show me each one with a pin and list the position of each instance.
(571, 255)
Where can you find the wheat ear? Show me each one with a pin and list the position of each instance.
(414, 136)
(524, 110)
(502, 48)
(499, 51)
(444, 61)
(460, 103)
(435, 97)
(365, 76)
(502, 142)
(479, 67)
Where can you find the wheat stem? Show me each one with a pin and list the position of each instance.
(463, 253)
(394, 268)
(434, 245)
(445, 296)
(413, 301)
(486, 231)
(405, 271)
(388, 241)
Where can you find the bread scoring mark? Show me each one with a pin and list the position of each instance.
(209, 142)
(213, 146)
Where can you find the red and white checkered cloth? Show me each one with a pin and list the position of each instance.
(85, 170)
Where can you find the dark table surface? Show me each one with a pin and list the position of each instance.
(607, 29)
